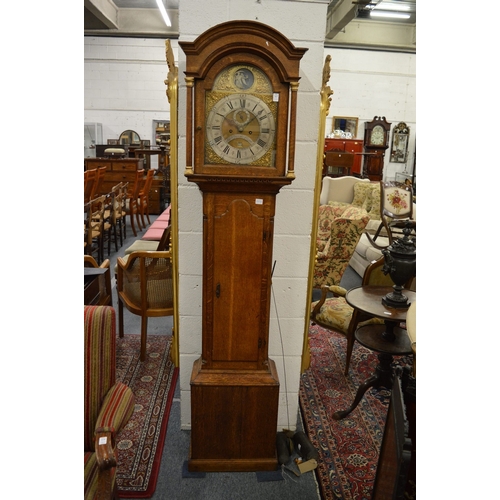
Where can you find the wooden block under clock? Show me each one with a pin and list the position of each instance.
(234, 416)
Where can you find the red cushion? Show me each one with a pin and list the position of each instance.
(159, 224)
(165, 215)
(153, 234)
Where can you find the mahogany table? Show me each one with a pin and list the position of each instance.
(387, 340)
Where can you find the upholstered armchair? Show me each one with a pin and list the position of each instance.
(108, 404)
(334, 313)
(339, 228)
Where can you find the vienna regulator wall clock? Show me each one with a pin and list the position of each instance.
(376, 141)
(242, 79)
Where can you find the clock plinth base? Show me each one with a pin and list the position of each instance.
(234, 419)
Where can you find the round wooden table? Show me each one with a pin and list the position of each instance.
(387, 340)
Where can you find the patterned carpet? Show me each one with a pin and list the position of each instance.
(348, 448)
(140, 442)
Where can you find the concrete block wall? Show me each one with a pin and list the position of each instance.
(124, 84)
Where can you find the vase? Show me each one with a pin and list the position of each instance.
(401, 264)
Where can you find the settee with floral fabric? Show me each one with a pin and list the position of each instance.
(362, 194)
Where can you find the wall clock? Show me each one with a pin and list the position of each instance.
(376, 141)
(242, 81)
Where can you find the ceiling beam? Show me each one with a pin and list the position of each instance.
(339, 14)
(105, 11)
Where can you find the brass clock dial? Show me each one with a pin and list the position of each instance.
(377, 136)
(241, 118)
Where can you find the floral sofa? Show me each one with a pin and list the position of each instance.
(362, 194)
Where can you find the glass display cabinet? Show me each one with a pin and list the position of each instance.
(92, 136)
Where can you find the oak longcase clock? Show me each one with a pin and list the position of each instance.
(242, 81)
(376, 141)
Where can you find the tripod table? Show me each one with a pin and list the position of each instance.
(387, 340)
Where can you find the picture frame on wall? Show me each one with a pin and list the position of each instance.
(400, 140)
(345, 124)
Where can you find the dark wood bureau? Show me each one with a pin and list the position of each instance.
(354, 146)
(117, 170)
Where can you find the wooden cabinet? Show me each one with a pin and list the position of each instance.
(354, 146)
(117, 170)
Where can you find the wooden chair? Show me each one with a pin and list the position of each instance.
(96, 191)
(109, 228)
(132, 204)
(145, 288)
(395, 452)
(334, 313)
(94, 224)
(396, 211)
(144, 197)
(121, 210)
(89, 179)
(105, 297)
(108, 404)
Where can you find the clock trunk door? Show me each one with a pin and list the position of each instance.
(240, 275)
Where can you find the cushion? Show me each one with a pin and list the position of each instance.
(374, 211)
(336, 313)
(361, 191)
(153, 234)
(367, 250)
(114, 151)
(337, 207)
(142, 246)
(165, 215)
(159, 224)
(354, 213)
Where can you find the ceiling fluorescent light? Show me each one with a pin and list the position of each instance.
(391, 6)
(163, 12)
(393, 15)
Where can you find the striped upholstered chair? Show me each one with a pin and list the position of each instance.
(108, 404)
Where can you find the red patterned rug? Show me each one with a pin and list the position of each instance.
(348, 448)
(140, 443)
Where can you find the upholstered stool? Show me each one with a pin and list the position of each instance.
(114, 152)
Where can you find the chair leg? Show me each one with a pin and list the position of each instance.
(353, 324)
(138, 218)
(120, 229)
(141, 210)
(124, 219)
(120, 317)
(144, 336)
(131, 215)
(115, 236)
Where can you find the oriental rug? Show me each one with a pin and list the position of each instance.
(349, 448)
(140, 443)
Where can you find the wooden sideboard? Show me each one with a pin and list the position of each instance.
(117, 170)
(354, 146)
